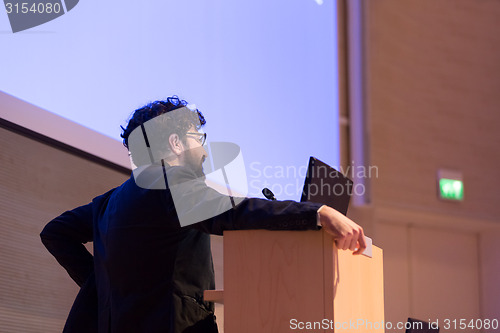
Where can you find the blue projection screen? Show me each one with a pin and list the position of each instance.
(264, 73)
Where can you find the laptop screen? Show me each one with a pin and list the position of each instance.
(324, 184)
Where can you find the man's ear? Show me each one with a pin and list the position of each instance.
(175, 144)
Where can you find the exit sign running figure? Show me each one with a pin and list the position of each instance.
(450, 185)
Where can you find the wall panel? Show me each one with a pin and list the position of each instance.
(37, 183)
(444, 275)
(433, 78)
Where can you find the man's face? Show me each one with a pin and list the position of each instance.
(195, 153)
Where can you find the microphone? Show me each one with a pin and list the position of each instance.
(268, 194)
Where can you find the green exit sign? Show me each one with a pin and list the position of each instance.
(451, 186)
(451, 189)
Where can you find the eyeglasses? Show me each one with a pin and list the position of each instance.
(200, 137)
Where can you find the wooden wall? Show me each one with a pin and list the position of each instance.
(38, 182)
(432, 72)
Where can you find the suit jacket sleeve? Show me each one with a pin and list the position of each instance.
(64, 237)
(194, 200)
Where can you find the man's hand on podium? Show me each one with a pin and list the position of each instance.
(346, 233)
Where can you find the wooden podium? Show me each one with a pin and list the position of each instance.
(297, 281)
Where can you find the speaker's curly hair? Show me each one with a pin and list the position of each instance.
(180, 125)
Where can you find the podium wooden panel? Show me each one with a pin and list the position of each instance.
(278, 280)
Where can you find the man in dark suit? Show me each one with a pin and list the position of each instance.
(152, 258)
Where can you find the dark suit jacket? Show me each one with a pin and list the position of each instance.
(148, 273)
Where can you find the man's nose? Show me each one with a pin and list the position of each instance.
(205, 153)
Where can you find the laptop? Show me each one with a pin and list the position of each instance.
(325, 185)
